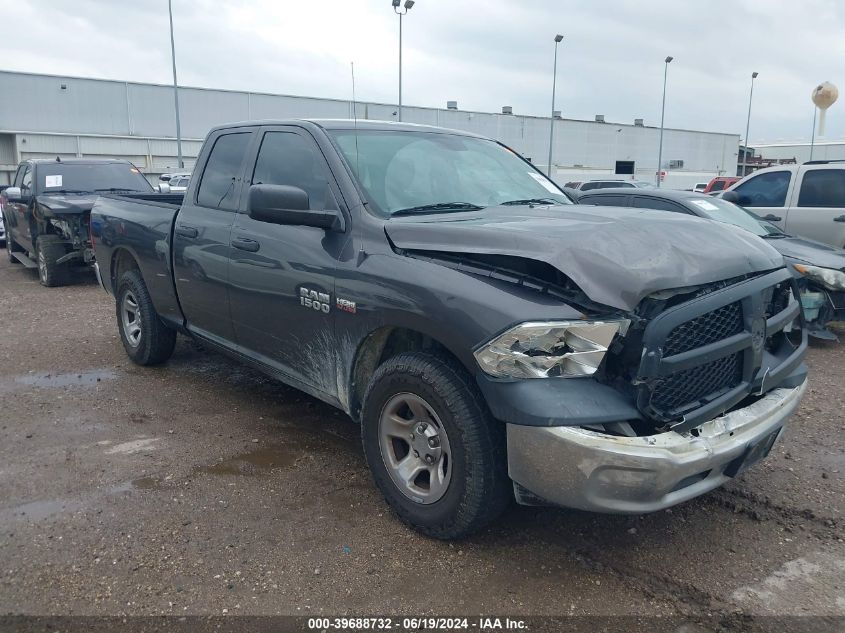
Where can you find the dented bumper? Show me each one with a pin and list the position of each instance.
(579, 468)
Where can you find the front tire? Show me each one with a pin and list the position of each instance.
(433, 448)
(145, 337)
(48, 249)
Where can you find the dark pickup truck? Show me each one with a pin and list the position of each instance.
(47, 211)
(493, 340)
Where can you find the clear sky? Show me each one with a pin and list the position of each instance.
(482, 53)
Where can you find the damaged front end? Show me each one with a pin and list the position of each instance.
(822, 294)
(74, 230)
(703, 380)
(68, 218)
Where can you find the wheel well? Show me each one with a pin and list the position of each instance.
(122, 261)
(380, 346)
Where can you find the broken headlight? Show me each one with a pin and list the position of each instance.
(554, 349)
(830, 278)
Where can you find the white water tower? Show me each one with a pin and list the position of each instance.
(824, 95)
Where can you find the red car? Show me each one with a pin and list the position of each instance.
(720, 183)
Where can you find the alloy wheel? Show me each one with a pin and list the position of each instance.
(415, 448)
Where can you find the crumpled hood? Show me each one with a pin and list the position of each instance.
(69, 204)
(617, 256)
(810, 252)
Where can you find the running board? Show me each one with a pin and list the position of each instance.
(23, 259)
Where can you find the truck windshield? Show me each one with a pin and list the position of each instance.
(724, 211)
(403, 171)
(90, 177)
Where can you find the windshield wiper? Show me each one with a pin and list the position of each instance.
(66, 191)
(519, 203)
(774, 236)
(115, 189)
(439, 206)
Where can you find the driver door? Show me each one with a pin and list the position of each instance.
(282, 277)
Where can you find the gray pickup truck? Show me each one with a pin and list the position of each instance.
(493, 340)
(47, 211)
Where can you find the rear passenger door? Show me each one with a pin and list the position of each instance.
(201, 236)
(283, 276)
(818, 206)
(765, 194)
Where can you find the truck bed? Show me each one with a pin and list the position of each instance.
(142, 225)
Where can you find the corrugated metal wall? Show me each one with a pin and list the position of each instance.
(826, 150)
(45, 103)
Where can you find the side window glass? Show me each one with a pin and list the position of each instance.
(26, 182)
(606, 201)
(286, 158)
(765, 190)
(659, 204)
(219, 184)
(823, 188)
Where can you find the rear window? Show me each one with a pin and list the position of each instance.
(718, 185)
(823, 188)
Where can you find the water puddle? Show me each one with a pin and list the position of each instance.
(254, 462)
(72, 379)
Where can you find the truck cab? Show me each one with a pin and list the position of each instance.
(806, 200)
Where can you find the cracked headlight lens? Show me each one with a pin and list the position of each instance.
(554, 349)
(830, 278)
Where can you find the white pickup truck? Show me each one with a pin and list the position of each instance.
(806, 200)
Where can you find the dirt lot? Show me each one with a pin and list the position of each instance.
(201, 487)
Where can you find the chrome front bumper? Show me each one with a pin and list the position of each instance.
(579, 468)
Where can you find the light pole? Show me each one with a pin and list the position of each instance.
(813, 135)
(748, 123)
(662, 114)
(558, 39)
(400, 12)
(175, 88)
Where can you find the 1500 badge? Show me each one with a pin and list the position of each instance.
(319, 301)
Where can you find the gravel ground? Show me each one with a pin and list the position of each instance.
(203, 488)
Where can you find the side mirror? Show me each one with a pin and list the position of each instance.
(163, 187)
(12, 194)
(731, 196)
(283, 204)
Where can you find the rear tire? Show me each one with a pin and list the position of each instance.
(464, 485)
(49, 248)
(145, 337)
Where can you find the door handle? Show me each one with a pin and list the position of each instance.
(841, 218)
(246, 244)
(773, 218)
(186, 231)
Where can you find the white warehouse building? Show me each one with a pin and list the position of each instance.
(43, 116)
(800, 151)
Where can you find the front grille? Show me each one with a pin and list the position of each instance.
(687, 389)
(705, 329)
(683, 366)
